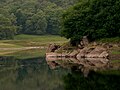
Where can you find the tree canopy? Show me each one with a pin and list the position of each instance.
(36, 17)
(93, 18)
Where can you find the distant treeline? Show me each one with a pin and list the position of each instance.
(36, 17)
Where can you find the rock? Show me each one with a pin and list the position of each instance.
(90, 51)
(83, 52)
(63, 55)
(85, 40)
(110, 45)
(106, 45)
(80, 46)
(119, 45)
(52, 64)
(52, 47)
(49, 55)
(116, 45)
(81, 43)
(95, 44)
(104, 54)
(74, 53)
(95, 53)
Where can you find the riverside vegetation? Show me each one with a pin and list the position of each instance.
(96, 19)
(27, 27)
(99, 21)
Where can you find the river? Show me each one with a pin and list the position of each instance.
(37, 73)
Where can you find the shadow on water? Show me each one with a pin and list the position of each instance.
(88, 74)
(95, 81)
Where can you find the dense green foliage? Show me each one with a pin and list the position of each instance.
(93, 18)
(31, 16)
(7, 25)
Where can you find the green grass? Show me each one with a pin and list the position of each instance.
(29, 41)
(110, 40)
(33, 40)
(115, 61)
(24, 54)
(43, 38)
(115, 52)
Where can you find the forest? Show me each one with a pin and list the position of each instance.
(35, 17)
(72, 19)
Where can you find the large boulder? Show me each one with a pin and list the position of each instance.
(104, 54)
(52, 48)
(73, 54)
(92, 52)
(85, 41)
(97, 53)
(83, 52)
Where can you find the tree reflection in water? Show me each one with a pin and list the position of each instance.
(107, 80)
(88, 74)
(29, 74)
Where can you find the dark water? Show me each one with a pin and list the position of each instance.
(39, 74)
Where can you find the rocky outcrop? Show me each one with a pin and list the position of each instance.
(84, 50)
(73, 54)
(93, 52)
(87, 52)
(52, 48)
(84, 41)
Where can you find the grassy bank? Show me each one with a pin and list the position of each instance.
(21, 41)
(33, 40)
(32, 53)
(110, 40)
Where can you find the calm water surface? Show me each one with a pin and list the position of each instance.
(40, 74)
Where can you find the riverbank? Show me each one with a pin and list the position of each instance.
(106, 48)
(94, 56)
(27, 42)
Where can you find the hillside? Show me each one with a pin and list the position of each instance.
(36, 17)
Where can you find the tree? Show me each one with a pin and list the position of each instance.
(54, 14)
(7, 29)
(37, 24)
(35, 16)
(93, 18)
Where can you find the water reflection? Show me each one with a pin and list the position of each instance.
(83, 64)
(57, 74)
(29, 74)
(94, 81)
(87, 74)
